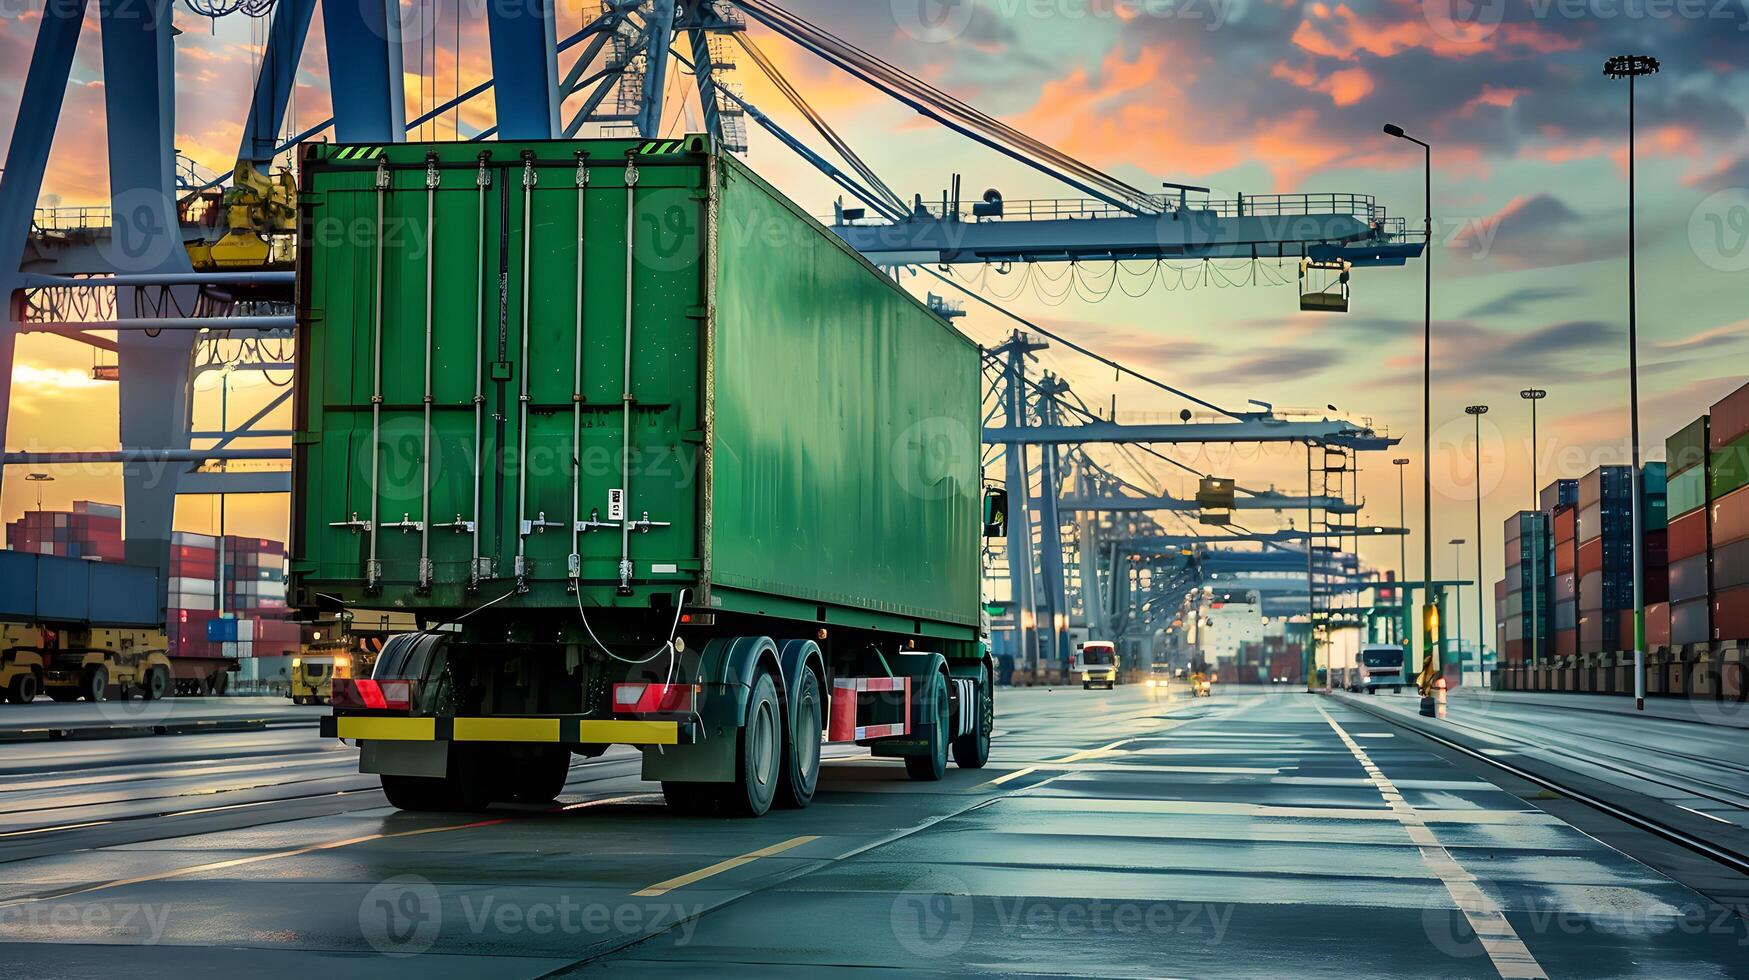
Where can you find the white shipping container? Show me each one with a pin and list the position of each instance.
(183, 601)
(273, 590)
(193, 586)
(192, 540)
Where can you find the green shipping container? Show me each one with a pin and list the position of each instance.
(1687, 491)
(1687, 449)
(1728, 468)
(803, 433)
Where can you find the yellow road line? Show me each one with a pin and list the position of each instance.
(238, 862)
(664, 887)
(45, 830)
(1016, 774)
(1094, 753)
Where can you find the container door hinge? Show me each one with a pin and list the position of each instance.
(698, 312)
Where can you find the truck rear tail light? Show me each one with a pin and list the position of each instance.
(377, 695)
(632, 699)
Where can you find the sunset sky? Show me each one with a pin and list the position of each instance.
(1253, 96)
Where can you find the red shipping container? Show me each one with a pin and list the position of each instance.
(1657, 625)
(1730, 518)
(1566, 643)
(1566, 557)
(1688, 535)
(1730, 419)
(1591, 557)
(1731, 615)
(1566, 524)
(1626, 630)
(1515, 651)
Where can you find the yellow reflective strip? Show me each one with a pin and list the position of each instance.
(629, 732)
(387, 729)
(507, 729)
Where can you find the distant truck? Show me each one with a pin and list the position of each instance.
(1377, 666)
(1096, 663)
(656, 460)
(78, 629)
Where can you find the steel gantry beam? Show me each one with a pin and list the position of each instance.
(1250, 427)
(286, 31)
(147, 239)
(27, 157)
(1268, 501)
(364, 63)
(525, 68)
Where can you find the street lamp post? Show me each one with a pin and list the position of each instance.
(1630, 67)
(1476, 412)
(39, 479)
(1430, 654)
(1457, 618)
(1402, 544)
(1537, 571)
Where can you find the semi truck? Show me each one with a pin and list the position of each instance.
(654, 458)
(75, 629)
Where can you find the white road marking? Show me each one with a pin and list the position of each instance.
(1511, 958)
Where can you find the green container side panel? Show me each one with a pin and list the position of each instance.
(1687, 448)
(1728, 470)
(846, 458)
(827, 375)
(1687, 491)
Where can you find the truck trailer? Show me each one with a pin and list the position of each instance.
(73, 628)
(655, 459)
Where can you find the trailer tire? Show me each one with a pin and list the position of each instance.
(23, 688)
(425, 793)
(758, 753)
(94, 683)
(972, 750)
(157, 684)
(930, 768)
(538, 776)
(800, 774)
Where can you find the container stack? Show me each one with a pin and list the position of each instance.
(1605, 558)
(89, 530)
(1560, 503)
(251, 590)
(1690, 573)
(1728, 487)
(1524, 593)
(1655, 524)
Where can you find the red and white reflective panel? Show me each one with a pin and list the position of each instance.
(637, 699)
(378, 695)
(841, 726)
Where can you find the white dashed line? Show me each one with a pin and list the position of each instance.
(1511, 958)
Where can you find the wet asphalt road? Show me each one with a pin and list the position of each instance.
(1113, 834)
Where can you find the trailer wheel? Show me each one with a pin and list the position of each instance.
(800, 775)
(759, 754)
(23, 688)
(535, 776)
(425, 793)
(931, 767)
(94, 683)
(157, 684)
(972, 750)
